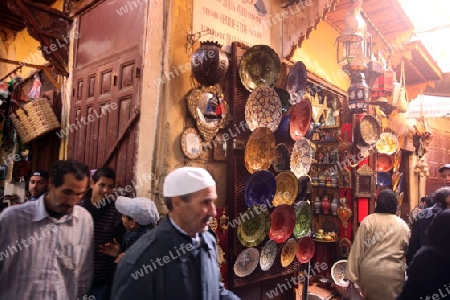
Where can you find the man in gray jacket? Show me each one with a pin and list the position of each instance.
(177, 260)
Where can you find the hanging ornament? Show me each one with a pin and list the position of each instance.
(35, 91)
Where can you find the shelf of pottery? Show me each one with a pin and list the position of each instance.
(325, 182)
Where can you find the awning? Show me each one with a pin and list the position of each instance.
(429, 107)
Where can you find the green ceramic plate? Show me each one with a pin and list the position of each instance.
(303, 219)
(254, 227)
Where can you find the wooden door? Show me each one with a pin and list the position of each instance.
(104, 99)
(108, 56)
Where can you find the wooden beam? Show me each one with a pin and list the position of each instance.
(23, 64)
(7, 75)
(410, 64)
(56, 83)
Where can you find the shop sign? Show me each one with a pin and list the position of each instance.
(228, 21)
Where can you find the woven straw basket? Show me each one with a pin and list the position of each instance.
(34, 120)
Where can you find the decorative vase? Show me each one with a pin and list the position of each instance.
(317, 205)
(326, 205)
(209, 63)
(334, 206)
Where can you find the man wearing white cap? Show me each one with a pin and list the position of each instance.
(177, 260)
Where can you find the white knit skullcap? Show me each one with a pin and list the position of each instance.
(187, 180)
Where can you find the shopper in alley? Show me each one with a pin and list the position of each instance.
(376, 259)
(37, 185)
(180, 251)
(46, 246)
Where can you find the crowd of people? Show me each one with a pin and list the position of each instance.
(390, 260)
(66, 243)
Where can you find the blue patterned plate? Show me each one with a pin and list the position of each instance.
(384, 179)
(296, 82)
(260, 188)
(268, 254)
(282, 133)
(301, 157)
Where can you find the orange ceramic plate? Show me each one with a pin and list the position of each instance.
(260, 150)
(384, 163)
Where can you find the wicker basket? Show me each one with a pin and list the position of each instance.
(34, 120)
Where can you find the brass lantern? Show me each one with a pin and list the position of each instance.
(358, 93)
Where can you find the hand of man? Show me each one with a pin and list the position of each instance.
(111, 249)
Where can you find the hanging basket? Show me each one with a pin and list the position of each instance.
(34, 120)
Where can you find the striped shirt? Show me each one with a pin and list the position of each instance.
(107, 227)
(42, 257)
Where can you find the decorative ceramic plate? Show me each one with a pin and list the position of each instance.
(254, 226)
(300, 119)
(260, 66)
(268, 254)
(296, 82)
(369, 129)
(260, 188)
(282, 221)
(246, 262)
(338, 272)
(400, 199)
(287, 188)
(384, 163)
(283, 131)
(191, 143)
(305, 249)
(304, 187)
(387, 143)
(396, 178)
(285, 99)
(384, 179)
(288, 252)
(303, 219)
(209, 109)
(397, 161)
(301, 157)
(281, 159)
(260, 150)
(263, 109)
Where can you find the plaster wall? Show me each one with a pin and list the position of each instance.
(24, 48)
(318, 53)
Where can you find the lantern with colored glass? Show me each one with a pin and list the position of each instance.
(358, 93)
(384, 85)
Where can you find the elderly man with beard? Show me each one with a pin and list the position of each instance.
(108, 228)
(177, 260)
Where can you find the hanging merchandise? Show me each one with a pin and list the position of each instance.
(35, 91)
(402, 102)
(34, 120)
(209, 63)
(4, 89)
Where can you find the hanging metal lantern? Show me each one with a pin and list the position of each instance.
(354, 45)
(384, 85)
(358, 94)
